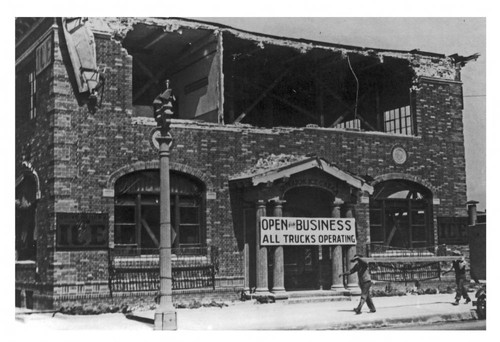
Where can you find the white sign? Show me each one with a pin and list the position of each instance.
(294, 231)
(108, 193)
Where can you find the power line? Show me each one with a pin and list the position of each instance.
(474, 95)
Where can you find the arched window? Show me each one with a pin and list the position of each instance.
(401, 215)
(137, 210)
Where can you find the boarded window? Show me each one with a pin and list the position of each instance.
(137, 210)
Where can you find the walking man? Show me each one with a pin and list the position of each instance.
(460, 278)
(365, 282)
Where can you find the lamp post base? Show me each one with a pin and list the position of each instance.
(165, 320)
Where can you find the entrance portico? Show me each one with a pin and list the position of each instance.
(301, 187)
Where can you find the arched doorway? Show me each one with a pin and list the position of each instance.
(302, 264)
(401, 215)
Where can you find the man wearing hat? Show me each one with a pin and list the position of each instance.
(365, 282)
(460, 278)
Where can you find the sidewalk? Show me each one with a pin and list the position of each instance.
(391, 311)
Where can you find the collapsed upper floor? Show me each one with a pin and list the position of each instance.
(226, 76)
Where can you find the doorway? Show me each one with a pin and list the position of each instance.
(305, 265)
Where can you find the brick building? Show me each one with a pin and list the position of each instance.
(263, 126)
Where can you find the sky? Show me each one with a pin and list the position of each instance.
(464, 36)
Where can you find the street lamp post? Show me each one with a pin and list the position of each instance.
(165, 315)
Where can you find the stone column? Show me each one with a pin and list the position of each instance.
(261, 254)
(472, 212)
(352, 280)
(279, 264)
(337, 269)
(246, 255)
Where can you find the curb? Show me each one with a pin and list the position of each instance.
(366, 324)
(392, 322)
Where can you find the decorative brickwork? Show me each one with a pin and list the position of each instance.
(77, 155)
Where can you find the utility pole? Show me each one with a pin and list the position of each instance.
(165, 315)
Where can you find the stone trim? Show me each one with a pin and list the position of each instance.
(155, 164)
(407, 177)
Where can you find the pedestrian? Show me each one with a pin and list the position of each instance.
(459, 266)
(365, 282)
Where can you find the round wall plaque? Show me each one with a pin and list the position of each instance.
(399, 155)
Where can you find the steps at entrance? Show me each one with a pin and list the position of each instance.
(316, 296)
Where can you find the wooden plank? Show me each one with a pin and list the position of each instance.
(294, 106)
(282, 100)
(389, 259)
(339, 119)
(150, 232)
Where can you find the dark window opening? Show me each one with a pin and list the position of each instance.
(189, 58)
(26, 90)
(401, 215)
(269, 86)
(25, 219)
(32, 82)
(137, 211)
(224, 78)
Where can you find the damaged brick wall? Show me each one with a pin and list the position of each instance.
(75, 153)
(34, 143)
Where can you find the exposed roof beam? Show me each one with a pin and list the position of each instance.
(334, 94)
(154, 38)
(197, 45)
(294, 106)
(340, 118)
(262, 96)
(151, 81)
(144, 67)
(366, 122)
(286, 102)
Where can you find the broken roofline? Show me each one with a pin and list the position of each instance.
(172, 24)
(285, 171)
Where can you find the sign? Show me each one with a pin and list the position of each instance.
(108, 193)
(82, 230)
(155, 134)
(298, 231)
